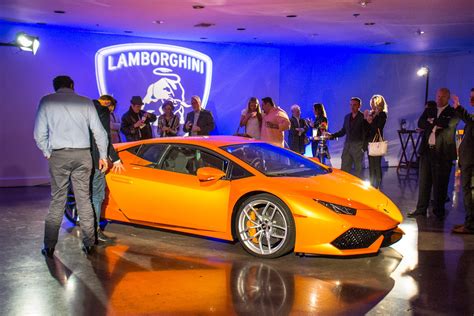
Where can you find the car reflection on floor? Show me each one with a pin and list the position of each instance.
(136, 282)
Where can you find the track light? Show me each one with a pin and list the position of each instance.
(25, 42)
(423, 71)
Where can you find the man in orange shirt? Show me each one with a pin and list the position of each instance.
(274, 123)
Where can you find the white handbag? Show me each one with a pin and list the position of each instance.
(378, 146)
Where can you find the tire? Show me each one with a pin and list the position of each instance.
(259, 289)
(265, 226)
(70, 210)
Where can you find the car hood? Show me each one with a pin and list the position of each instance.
(343, 189)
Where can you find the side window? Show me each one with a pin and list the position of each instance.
(188, 160)
(179, 159)
(238, 172)
(150, 154)
(208, 160)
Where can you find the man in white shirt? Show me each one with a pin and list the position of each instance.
(61, 132)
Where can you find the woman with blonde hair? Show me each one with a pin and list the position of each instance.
(252, 118)
(376, 119)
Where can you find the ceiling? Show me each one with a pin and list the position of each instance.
(448, 25)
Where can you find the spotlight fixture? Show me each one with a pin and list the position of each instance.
(203, 38)
(198, 7)
(292, 16)
(25, 42)
(241, 29)
(356, 15)
(420, 32)
(128, 32)
(423, 71)
(158, 22)
(59, 11)
(364, 3)
(369, 23)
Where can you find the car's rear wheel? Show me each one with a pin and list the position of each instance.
(70, 209)
(264, 226)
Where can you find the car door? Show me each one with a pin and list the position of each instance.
(136, 189)
(185, 201)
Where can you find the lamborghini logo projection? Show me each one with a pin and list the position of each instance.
(271, 200)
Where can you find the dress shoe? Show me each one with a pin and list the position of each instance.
(461, 230)
(101, 237)
(47, 252)
(88, 249)
(416, 213)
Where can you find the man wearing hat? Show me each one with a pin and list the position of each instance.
(136, 122)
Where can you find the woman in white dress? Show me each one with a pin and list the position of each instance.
(252, 118)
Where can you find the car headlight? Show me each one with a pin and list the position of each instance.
(339, 209)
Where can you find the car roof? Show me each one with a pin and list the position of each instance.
(207, 141)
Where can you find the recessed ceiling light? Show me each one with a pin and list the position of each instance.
(59, 11)
(204, 24)
(356, 14)
(198, 6)
(388, 43)
(128, 32)
(420, 32)
(158, 22)
(364, 3)
(291, 16)
(369, 23)
(241, 29)
(203, 38)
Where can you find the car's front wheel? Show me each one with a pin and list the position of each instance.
(264, 226)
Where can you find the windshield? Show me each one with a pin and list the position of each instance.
(274, 161)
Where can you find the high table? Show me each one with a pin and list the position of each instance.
(409, 140)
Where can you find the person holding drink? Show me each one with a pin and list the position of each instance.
(136, 123)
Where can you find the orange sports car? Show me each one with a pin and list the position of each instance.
(270, 199)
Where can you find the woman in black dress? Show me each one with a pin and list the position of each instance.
(320, 127)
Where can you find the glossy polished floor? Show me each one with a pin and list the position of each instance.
(153, 272)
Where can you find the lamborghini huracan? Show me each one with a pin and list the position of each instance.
(270, 199)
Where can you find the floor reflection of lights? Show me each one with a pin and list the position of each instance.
(406, 287)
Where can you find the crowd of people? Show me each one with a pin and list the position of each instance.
(76, 135)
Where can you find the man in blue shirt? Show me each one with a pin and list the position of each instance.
(61, 132)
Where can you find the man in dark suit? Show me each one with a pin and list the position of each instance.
(355, 129)
(98, 183)
(297, 132)
(466, 163)
(199, 121)
(437, 152)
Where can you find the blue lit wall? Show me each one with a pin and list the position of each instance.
(288, 74)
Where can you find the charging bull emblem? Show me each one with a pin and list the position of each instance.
(157, 72)
(167, 87)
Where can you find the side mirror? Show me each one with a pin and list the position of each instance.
(209, 174)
